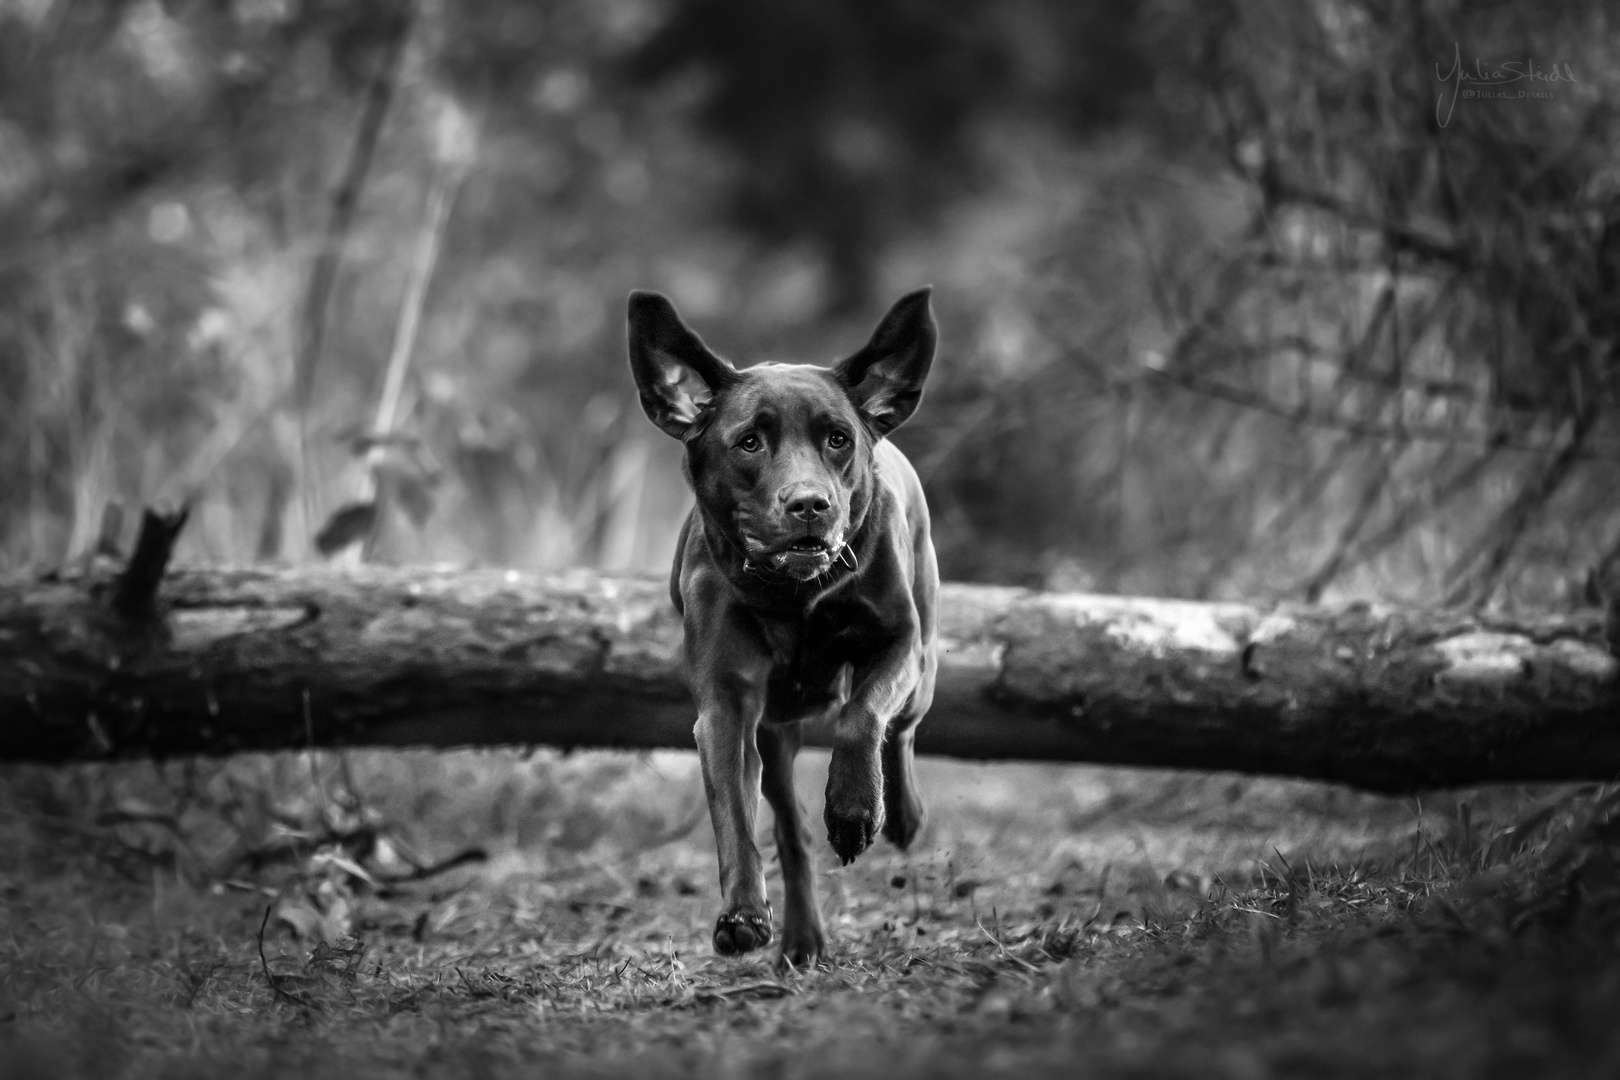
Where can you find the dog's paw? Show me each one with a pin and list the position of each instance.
(741, 931)
(854, 808)
(802, 946)
(851, 833)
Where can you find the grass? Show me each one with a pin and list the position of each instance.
(265, 917)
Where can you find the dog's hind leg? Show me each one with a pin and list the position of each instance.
(903, 811)
(803, 937)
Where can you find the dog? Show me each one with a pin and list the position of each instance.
(807, 582)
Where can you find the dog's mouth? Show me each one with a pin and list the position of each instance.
(803, 557)
(809, 545)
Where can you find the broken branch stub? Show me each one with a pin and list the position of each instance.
(135, 593)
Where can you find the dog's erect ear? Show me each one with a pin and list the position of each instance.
(675, 372)
(886, 377)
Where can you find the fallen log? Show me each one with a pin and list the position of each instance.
(265, 659)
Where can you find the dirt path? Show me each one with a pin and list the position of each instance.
(1052, 922)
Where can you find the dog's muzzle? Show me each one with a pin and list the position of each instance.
(804, 559)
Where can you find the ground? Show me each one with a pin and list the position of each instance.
(292, 915)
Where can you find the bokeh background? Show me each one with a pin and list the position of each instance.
(1239, 299)
(1234, 304)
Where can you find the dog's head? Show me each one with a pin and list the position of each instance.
(780, 455)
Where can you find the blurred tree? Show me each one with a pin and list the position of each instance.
(1433, 251)
(1349, 330)
(854, 122)
(1228, 310)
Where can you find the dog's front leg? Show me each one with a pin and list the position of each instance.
(728, 718)
(804, 939)
(854, 808)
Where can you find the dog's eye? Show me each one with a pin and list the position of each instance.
(749, 443)
(838, 440)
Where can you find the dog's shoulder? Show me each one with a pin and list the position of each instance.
(899, 481)
(906, 510)
(694, 575)
(679, 561)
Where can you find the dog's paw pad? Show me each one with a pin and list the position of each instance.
(739, 932)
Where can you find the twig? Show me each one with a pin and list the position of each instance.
(997, 942)
(422, 873)
(768, 988)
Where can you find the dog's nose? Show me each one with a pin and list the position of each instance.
(805, 503)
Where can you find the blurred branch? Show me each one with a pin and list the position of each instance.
(1280, 190)
(1371, 492)
(1601, 576)
(345, 202)
(312, 328)
(964, 427)
(447, 176)
(1307, 494)
(459, 138)
(1364, 429)
(1496, 544)
(232, 423)
(1421, 507)
(1315, 484)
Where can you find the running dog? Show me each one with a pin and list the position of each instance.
(806, 578)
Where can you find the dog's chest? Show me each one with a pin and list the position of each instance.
(810, 655)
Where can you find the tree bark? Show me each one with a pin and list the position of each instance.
(239, 660)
